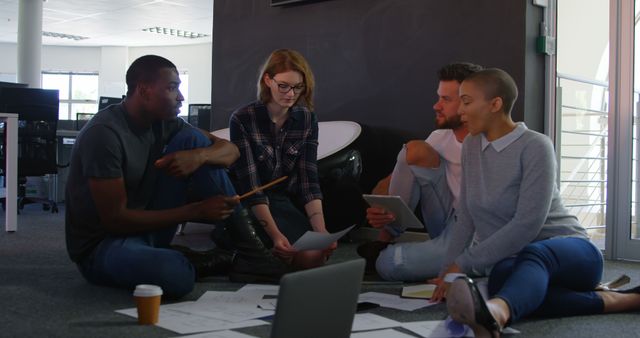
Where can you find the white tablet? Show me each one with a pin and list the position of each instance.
(404, 215)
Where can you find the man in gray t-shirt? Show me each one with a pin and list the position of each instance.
(131, 168)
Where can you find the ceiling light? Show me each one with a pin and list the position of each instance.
(175, 32)
(64, 36)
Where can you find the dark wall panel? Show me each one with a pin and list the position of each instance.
(375, 60)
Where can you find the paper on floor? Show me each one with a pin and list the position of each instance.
(394, 302)
(219, 334)
(438, 329)
(433, 329)
(232, 307)
(266, 289)
(370, 321)
(268, 304)
(184, 323)
(312, 240)
(389, 333)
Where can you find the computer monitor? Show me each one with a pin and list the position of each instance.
(37, 111)
(12, 85)
(105, 101)
(200, 116)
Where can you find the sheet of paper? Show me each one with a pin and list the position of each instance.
(268, 304)
(266, 289)
(370, 321)
(438, 329)
(389, 333)
(432, 329)
(219, 334)
(184, 323)
(394, 302)
(312, 240)
(232, 307)
(239, 299)
(421, 291)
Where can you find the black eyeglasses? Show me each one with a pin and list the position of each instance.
(285, 88)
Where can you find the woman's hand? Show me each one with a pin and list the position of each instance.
(329, 251)
(282, 248)
(378, 216)
(441, 291)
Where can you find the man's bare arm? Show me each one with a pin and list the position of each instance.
(186, 162)
(221, 152)
(110, 198)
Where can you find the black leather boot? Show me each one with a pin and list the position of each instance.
(214, 262)
(254, 262)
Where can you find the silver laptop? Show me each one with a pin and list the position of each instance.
(318, 303)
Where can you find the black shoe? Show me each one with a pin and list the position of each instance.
(254, 261)
(247, 269)
(370, 252)
(208, 263)
(466, 306)
(220, 237)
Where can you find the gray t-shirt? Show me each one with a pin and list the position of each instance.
(508, 198)
(111, 146)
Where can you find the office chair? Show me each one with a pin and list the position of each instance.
(37, 111)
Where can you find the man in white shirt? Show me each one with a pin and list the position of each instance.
(426, 172)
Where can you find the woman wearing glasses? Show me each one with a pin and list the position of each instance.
(278, 136)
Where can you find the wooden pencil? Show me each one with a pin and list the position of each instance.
(266, 186)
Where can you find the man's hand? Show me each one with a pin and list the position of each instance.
(441, 291)
(218, 207)
(282, 248)
(181, 163)
(379, 216)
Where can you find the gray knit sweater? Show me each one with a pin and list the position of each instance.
(509, 199)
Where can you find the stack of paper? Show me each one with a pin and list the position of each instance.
(217, 311)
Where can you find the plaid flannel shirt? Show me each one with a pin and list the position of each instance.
(265, 155)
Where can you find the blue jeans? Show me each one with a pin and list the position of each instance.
(126, 261)
(427, 186)
(418, 261)
(550, 278)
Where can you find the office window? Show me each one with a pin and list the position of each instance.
(78, 92)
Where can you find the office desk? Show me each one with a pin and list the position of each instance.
(67, 133)
(11, 172)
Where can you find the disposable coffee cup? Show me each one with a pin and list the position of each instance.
(148, 302)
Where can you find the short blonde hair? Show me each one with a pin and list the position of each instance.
(283, 60)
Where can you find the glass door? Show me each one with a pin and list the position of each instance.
(623, 241)
(582, 110)
(596, 120)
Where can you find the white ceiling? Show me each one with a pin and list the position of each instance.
(115, 22)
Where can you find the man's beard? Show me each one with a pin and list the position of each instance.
(452, 122)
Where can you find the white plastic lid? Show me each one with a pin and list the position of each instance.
(147, 290)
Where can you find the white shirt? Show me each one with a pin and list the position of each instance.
(445, 143)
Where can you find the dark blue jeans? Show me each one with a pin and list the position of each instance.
(550, 278)
(126, 261)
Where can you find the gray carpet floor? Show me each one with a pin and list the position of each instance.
(43, 295)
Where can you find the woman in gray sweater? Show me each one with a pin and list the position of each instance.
(540, 258)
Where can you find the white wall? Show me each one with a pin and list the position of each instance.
(194, 59)
(113, 67)
(112, 64)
